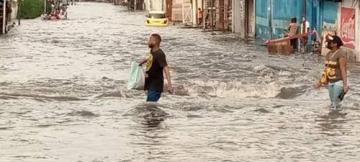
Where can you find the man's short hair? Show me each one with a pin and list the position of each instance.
(156, 36)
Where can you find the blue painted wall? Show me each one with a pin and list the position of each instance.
(282, 12)
(262, 29)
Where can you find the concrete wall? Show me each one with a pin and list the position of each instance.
(154, 5)
(177, 11)
(14, 6)
(238, 17)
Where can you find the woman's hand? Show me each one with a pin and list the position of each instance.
(318, 85)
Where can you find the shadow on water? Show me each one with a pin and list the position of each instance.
(148, 114)
(149, 132)
(334, 120)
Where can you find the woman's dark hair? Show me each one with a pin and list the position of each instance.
(293, 20)
(335, 39)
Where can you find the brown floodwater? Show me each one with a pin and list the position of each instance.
(63, 96)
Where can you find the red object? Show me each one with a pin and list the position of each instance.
(347, 29)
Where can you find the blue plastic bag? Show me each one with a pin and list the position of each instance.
(136, 77)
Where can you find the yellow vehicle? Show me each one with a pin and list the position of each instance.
(156, 18)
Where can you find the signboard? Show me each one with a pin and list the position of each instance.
(347, 27)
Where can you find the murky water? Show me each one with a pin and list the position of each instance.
(63, 97)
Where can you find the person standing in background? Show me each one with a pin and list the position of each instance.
(200, 16)
(305, 29)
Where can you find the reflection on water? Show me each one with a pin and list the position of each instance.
(63, 96)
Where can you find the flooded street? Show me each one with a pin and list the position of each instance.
(63, 97)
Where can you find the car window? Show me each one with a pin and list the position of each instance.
(157, 16)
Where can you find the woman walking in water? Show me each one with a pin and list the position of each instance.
(335, 72)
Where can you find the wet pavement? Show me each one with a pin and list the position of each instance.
(63, 96)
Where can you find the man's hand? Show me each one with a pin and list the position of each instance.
(141, 62)
(170, 89)
(346, 88)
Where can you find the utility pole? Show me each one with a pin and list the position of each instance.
(204, 15)
(270, 18)
(45, 7)
(19, 12)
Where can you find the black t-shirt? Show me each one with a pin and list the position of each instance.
(156, 62)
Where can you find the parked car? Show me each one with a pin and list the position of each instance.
(156, 18)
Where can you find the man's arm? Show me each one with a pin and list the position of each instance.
(343, 69)
(168, 78)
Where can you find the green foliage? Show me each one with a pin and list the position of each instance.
(30, 9)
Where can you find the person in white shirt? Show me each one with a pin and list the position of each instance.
(305, 25)
(304, 28)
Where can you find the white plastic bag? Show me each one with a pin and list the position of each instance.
(136, 77)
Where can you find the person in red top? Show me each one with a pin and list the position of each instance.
(200, 16)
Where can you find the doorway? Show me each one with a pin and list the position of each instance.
(249, 19)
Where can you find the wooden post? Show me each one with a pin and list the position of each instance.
(221, 8)
(19, 11)
(4, 18)
(204, 14)
(246, 19)
(169, 9)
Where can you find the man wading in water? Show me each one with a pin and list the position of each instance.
(156, 67)
(335, 73)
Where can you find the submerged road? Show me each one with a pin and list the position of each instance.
(63, 97)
